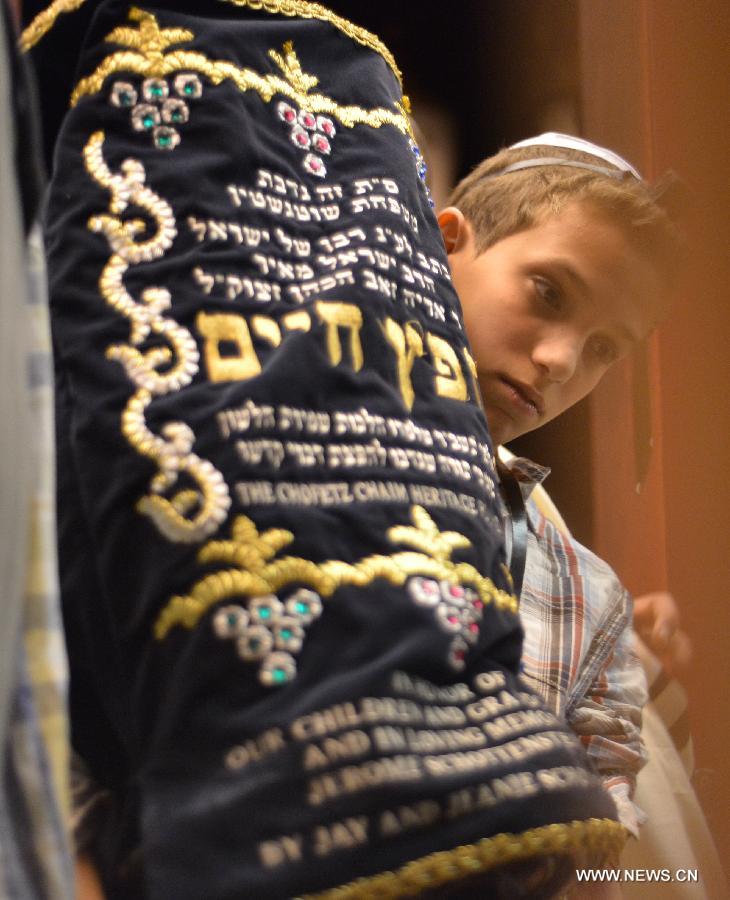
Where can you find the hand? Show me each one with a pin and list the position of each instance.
(656, 620)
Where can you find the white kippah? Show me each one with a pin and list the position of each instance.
(554, 139)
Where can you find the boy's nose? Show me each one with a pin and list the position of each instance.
(557, 356)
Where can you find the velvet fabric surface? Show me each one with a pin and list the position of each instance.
(293, 645)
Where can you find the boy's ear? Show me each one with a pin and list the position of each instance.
(455, 229)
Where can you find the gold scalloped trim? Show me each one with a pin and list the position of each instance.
(146, 56)
(306, 10)
(45, 20)
(598, 836)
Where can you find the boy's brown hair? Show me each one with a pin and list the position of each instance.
(499, 205)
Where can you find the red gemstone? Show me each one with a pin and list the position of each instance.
(302, 138)
(316, 164)
(474, 628)
(478, 604)
(289, 115)
(456, 590)
(453, 619)
(459, 655)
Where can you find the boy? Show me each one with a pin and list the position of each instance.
(561, 256)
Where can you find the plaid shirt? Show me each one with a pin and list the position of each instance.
(578, 649)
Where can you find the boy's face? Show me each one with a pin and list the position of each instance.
(548, 310)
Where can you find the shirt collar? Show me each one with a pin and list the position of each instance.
(526, 471)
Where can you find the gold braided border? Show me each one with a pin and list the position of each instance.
(604, 836)
(307, 10)
(45, 20)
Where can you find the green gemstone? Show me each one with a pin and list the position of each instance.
(302, 607)
(176, 116)
(265, 612)
(279, 675)
(148, 121)
(286, 634)
(232, 619)
(189, 88)
(254, 644)
(164, 140)
(156, 90)
(125, 98)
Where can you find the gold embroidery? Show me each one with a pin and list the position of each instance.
(472, 366)
(599, 837)
(306, 10)
(342, 315)
(292, 69)
(149, 38)
(147, 57)
(426, 537)
(231, 328)
(266, 328)
(45, 20)
(299, 320)
(192, 514)
(257, 572)
(508, 575)
(449, 379)
(408, 344)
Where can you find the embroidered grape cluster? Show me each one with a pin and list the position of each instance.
(421, 169)
(458, 610)
(311, 133)
(158, 107)
(270, 632)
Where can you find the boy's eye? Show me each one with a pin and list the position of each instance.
(604, 350)
(549, 293)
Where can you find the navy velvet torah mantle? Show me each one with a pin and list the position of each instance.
(294, 649)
